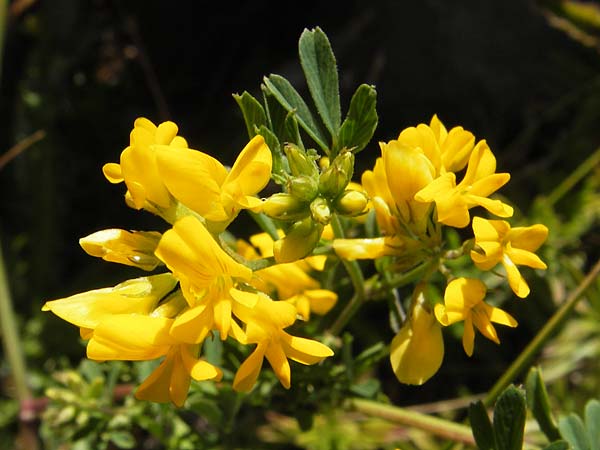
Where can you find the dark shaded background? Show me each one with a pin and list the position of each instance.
(84, 70)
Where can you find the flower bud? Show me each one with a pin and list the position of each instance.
(300, 240)
(300, 162)
(304, 188)
(284, 207)
(124, 247)
(336, 177)
(351, 203)
(319, 208)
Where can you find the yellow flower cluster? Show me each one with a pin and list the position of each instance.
(206, 290)
(413, 190)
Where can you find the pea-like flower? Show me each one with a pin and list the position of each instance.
(453, 201)
(496, 242)
(205, 186)
(265, 322)
(138, 168)
(463, 301)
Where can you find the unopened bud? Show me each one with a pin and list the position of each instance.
(300, 162)
(336, 177)
(133, 248)
(284, 207)
(304, 188)
(299, 241)
(351, 203)
(319, 208)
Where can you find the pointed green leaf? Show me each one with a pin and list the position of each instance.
(481, 426)
(289, 98)
(291, 132)
(318, 63)
(592, 422)
(509, 419)
(276, 113)
(253, 112)
(572, 430)
(361, 121)
(122, 439)
(537, 400)
(279, 170)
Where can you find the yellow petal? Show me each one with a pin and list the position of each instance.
(468, 339)
(417, 351)
(525, 258)
(528, 238)
(276, 357)
(194, 178)
(189, 249)
(192, 326)
(515, 279)
(252, 168)
(88, 309)
(156, 387)
(304, 351)
(321, 300)
(362, 248)
(112, 172)
(247, 373)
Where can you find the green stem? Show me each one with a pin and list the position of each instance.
(524, 359)
(11, 341)
(358, 281)
(567, 184)
(434, 425)
(266, 224)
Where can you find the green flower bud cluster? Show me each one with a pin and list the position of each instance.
(313, 194)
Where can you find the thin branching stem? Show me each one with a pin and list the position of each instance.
(524, 359)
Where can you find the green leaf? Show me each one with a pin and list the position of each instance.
(481, 426)
(291, 132)
(592, 422)
(276, 114)
(318, 63)
(573, 431)
(509, 419)
(280, 169)
(537, 400)
(122, 439)
(361, 121)
(557, 445)
(289, 98)
(253, 112)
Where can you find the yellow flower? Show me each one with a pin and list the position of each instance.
(138, 296)
(408, 170)
(131, 248)
(463, 301)
(133, 337)
(206, 275)
(265, 322)
(289, 280)
(447, 151)
(138, 167)
(454, 201)
(204, 185)
(497, 243)
(417, 350)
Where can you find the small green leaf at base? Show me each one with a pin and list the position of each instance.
(573, 431)
(361, 121)
(537, 400)
(289, 98)
(253, 112)
(509, 419)
(481, 426)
